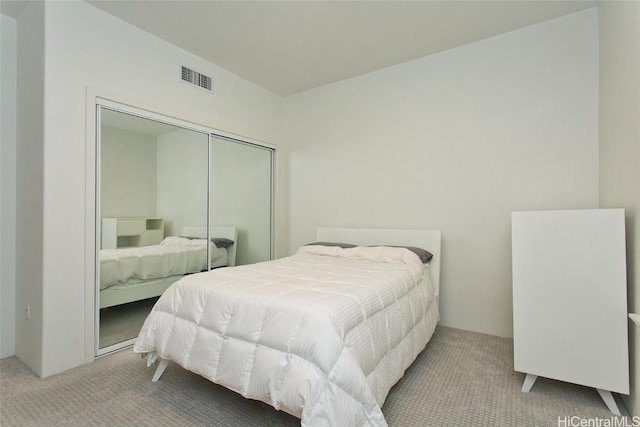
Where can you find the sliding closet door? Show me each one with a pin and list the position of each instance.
(162, 181)
(153, 182)
(241, 193)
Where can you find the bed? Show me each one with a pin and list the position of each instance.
(322, 335)
(137, 273)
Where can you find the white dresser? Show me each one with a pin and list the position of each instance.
(129, 232)
(570, 299)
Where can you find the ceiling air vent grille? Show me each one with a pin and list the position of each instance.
(196, 78)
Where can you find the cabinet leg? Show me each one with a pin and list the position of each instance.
(609, 401)
(528, 382)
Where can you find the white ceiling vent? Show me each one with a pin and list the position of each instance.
(196, 78)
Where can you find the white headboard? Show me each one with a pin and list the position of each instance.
(228, 232)
(425, 239)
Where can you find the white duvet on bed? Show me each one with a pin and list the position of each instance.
(173, 256)
(323, 334)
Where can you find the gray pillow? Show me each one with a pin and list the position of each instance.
(424, 255)
(342, 245)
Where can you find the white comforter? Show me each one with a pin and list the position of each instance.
(173, 256)
(322, 335)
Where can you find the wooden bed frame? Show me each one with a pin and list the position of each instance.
(155, 287)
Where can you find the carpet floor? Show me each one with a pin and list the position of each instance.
(461, 379)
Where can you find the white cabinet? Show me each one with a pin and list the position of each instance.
(570, 298)
(128, 232)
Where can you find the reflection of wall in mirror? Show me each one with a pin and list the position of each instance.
(182, 179)
(128, 174)
(145, 176)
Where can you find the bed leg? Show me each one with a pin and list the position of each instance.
(151, 358)
(160, 370)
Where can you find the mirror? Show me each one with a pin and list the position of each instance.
(153, 180)
(166, 190)
(241, 193)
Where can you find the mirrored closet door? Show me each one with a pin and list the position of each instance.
(172, 200)
(241, 194)
(153, 181)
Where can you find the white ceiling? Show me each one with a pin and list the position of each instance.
(291, 46)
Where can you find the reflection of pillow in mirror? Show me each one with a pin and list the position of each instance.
(220, 242)
(191, 242)
(175, 240)
(184, 241)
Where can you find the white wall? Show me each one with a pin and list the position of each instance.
(128, 174)
(88, 50)
(30, 186)
(454, 141)
(8, 64)
(620, 147)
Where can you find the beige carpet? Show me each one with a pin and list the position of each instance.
(461, 379)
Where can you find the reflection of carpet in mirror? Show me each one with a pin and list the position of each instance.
(123, 322)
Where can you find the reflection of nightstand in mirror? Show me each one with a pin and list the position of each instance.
(128, 232)
(635, 317)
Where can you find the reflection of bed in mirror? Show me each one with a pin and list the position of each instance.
(135, 273)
